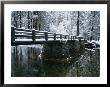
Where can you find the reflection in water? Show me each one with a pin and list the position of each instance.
(27, 61)
(57, 60)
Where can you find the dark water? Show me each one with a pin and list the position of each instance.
(70, 59)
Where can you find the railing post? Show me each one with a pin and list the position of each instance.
(64, 36)
(33, 35)
(12, 34)
(46, 36)
(79, 38)
(71, 37)
(60, 36)
(54, 36)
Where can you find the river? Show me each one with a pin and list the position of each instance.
(54, 61)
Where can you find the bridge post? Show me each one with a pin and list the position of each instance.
(46, 36)
(71, 37)
(12, 34)
(79, 38)
(33, 35)
(54, 36)
(64, 36)
(60, 36)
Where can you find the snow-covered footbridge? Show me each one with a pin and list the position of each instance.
(20, 36)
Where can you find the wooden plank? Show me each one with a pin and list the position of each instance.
(28, 33)
(23, 32)
(23, 35)
(53, 37)
(36, 30)
(50, 37)
(58, 37)
(40, 34)
(20, 29)
(57, 34)
(50, 33)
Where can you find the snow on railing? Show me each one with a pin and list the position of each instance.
(25, 34)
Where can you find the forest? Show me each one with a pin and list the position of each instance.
(78, 23)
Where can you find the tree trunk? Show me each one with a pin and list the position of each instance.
(28, 21)
(78, 24)
(20, 19)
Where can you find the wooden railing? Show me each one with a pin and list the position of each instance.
(18, 33)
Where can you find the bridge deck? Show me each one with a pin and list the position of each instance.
(39, 42)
